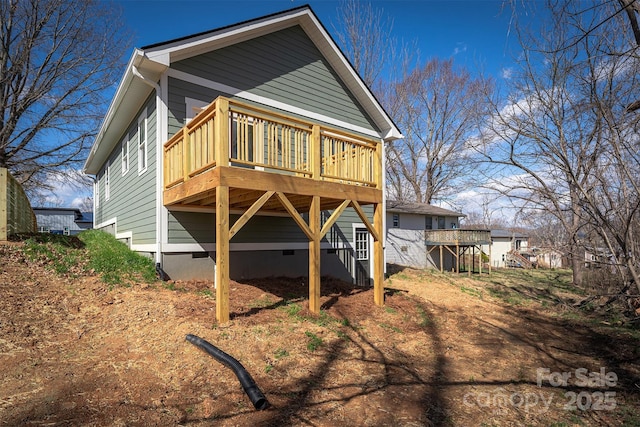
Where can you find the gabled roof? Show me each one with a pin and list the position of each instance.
(148, 63)
(420, 208)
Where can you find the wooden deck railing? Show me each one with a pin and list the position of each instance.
(457, 236)
(258, 138)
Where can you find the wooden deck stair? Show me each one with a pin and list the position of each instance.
(516, 258)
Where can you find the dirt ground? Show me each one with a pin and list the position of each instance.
(76, 353)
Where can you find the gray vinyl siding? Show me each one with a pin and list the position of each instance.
(342, 231)
(284, 66)
(132, 196)
(190, 227)
(178, 91)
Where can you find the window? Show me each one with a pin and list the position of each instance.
(396, 220)
(362, 244)
(142, 143)
(66, 231)
(428, 223)
(453, 225)
(44, 229)
(441, 223)
(107, 182)
(96, 191)
(125, 155)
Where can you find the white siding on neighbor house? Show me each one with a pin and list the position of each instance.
(499, 250)
(57, 220)
(405, 244)
(407, 221)
(406, 248)
(550, 259)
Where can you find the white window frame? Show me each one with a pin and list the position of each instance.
(142, 146)
(125, 155)
(97, 191)
(361, 241)
(107, 181)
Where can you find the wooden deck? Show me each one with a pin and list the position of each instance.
(457, 236)
(458, 242)
(239, 158)
(253, 150)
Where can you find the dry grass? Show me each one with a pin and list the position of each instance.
(75, 352)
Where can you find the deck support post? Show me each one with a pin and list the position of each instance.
(473, 260)
(441, 260)
(457, 259)
(378, 256)
(490, 256)
(222, 254)
(314, 255)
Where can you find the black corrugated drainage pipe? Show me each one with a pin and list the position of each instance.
(248, 384)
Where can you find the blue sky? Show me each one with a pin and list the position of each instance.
(475, 33)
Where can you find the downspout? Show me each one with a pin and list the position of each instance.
(159, 167)
(383, 233)
(93, 202)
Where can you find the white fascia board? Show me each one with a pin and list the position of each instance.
(115, 102)
(188, 47)
(131, 93)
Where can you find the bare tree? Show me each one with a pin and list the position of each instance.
(566, 134)
(58, 60)
(544, 229)
(438, 108)
(365, 37)
(86, 205)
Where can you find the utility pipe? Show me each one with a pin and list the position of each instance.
(249, 386)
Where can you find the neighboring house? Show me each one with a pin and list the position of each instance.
(508, 248)
(549, 258)
(598, 257)
(248, 151)
(406, 240)
(67, 221)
